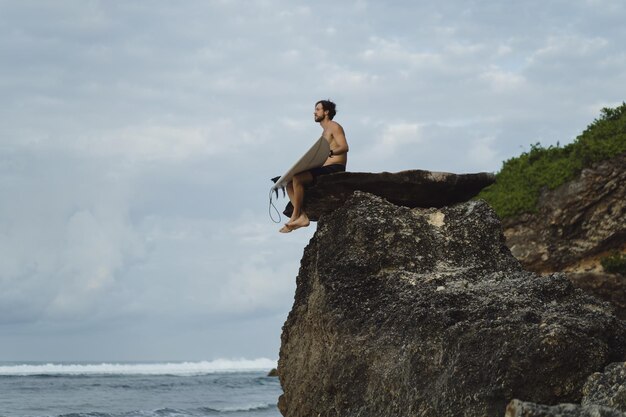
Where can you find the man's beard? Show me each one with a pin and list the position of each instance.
(319, 119)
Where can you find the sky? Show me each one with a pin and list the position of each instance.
(137, 140)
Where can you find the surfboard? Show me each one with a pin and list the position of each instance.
(313, 158)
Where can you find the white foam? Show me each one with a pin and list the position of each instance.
(172, 368)
(251, 407)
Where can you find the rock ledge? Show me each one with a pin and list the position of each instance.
(413, 188)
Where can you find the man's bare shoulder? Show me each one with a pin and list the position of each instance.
(335, 127)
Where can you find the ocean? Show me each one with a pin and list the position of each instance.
(177, 389)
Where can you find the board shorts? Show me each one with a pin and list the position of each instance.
(327, 169)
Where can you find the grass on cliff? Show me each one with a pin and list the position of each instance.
(614, 263)
(521, 179)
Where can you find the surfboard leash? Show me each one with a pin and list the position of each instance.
(273, 206)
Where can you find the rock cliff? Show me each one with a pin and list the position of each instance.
(425, 312)
(575, 226)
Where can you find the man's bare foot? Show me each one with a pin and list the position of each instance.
(285, 229)
(302, 221)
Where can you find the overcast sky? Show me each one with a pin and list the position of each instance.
(137, 139)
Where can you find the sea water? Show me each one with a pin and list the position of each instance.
(185, 389)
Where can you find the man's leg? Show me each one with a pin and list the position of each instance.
(295, 191)
(299, 217)
(286, 228)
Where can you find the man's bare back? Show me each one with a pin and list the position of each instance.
(336, 138)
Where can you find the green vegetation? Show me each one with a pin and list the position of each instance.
(521, 179)
(614, 264)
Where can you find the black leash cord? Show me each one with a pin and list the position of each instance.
(275, 209)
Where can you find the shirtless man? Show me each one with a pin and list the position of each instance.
(336, 162)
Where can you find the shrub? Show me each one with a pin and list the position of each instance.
(614, 264)
(520, 181)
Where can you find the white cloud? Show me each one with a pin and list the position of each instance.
(343, 80)
(137, 138)
(482, 152)
(97, 246)
(393, 54)
(503, 81)
(394, 139)
(399, 134)
(299, 11)
(504, 50)
(569, 45)
(258, 284)
(169, 142)
(297, 125)
(148, 142)
(466, 49)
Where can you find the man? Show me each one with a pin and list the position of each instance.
(336, 162)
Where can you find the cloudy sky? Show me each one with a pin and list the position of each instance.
(137, 139)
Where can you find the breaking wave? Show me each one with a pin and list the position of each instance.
(169, 368)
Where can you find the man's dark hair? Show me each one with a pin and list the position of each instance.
(329, 106)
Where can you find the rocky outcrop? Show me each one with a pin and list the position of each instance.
(574, 223)
(414, 188)
(604, 395)
(425, 312)
(527, 409)
(575, 226)
(607, 388)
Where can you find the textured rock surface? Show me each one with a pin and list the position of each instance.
(607, 388)
(425, 312)
(608, 287)
(604, 394)
(574, 223)
(526, 409)
(413, 188)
